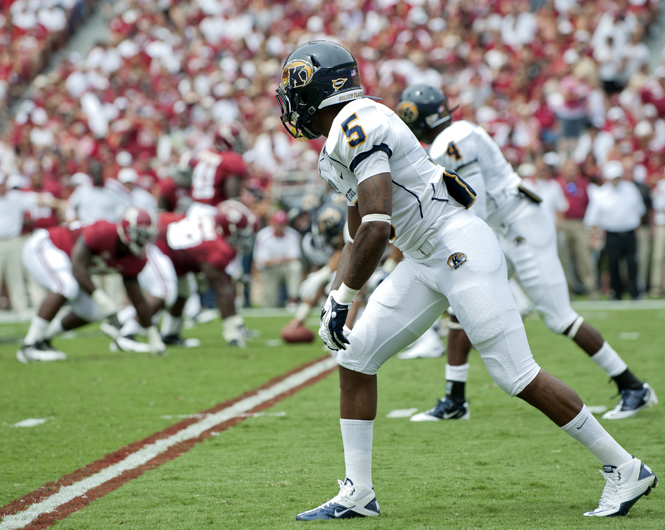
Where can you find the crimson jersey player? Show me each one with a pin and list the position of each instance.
(199, 244)
(62, 261)
(218, 173)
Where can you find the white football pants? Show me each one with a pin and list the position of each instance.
(51, 268)
(530, 245)
(420, 289)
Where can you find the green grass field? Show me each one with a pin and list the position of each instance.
(506, 468)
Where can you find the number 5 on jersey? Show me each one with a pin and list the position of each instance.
(355, 135)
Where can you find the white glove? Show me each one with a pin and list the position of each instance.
(157, 346)
(233, 331)
(313, 282)
(104, 302)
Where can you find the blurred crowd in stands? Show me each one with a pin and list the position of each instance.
(563, 86)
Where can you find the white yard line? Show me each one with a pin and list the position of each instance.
(148, 452)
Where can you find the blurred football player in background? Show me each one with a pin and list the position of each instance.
(218, 172)
(62, 260)
(528, 238)
(192, 244)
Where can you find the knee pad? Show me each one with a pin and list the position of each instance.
(455, 325)
(575, 327)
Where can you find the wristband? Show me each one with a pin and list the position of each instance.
(376, 217)
(344, 294)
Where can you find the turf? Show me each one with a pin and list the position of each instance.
(506, 468)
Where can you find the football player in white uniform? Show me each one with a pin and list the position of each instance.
(528, 239)
(451, 257)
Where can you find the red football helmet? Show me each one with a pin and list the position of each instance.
(137, 228)
(237, 224)
(231, 136)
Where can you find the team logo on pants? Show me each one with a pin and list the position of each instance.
(456, 260)
(519, 240)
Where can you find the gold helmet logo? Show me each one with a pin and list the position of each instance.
(338, 83)
(296, 74)
(408, 111)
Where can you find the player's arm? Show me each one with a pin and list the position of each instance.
(222, 287)
(369, 228)
(81, 260)
(137, 299)
(143, 313)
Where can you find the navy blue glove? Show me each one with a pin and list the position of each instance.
(333, 318)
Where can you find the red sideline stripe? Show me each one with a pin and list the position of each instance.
(48, 519)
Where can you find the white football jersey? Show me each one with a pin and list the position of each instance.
(367, 139)
(467, 149)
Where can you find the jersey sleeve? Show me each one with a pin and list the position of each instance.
(364, 142)
(99, 236)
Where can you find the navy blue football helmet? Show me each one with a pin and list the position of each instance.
(422, 108)
(317, 74)
(330, 221)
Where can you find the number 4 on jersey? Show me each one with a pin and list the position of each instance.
(453, 152)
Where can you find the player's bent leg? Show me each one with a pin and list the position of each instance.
(530, 245)
(627, 478)
(635, 394)
(51, 270)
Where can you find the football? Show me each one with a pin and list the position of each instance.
(297, 334)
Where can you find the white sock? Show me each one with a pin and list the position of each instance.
(55, 328)
(357, 439)
(37, 330)
(457, 373)
(609, 360)
(171, 325)
(586, 430)
(131, 327)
